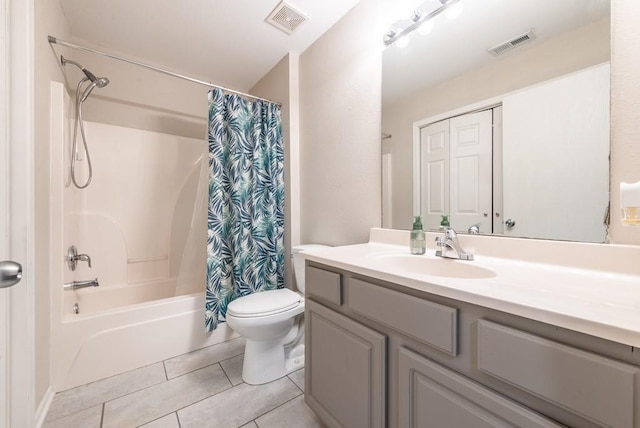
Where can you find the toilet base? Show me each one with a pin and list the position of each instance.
(267, 361)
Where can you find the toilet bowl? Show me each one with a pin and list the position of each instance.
(273, 326)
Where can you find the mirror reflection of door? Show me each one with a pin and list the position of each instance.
(556, 147)
(456, 172)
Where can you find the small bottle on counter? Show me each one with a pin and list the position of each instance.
(444, 222)
(418, 243)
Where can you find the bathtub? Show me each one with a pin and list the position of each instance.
(107, 338)
(140, 220)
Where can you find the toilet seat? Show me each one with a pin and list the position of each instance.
(264, 303)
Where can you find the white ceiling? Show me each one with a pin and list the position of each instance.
(226, 42)
(460, 45)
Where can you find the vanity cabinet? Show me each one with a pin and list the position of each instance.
(432, 396)
(380, 354)
(346, 363)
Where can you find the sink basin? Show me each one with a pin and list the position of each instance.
(435, 267)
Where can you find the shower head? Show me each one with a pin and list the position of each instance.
(100, 82)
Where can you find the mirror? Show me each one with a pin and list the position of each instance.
(515, 143)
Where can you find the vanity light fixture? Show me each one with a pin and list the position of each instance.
(420, 19)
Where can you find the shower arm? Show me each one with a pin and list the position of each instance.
(86, 72)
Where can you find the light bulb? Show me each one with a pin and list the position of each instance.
(454, 11)
(425, 28)
(402, 42)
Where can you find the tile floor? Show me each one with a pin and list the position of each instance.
(200, 389)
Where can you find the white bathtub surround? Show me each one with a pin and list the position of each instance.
(201, 395)
(142, 222)
(589, 288)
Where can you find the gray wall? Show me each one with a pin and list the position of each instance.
(276, 86)
(340, 95)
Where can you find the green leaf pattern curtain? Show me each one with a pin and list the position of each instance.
(245, 240)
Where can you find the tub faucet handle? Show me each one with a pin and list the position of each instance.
(73, 258)
(84, 258)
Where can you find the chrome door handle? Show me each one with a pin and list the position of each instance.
(510, 222)
(10, 273)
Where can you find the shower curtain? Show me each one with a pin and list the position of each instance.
(245, 240)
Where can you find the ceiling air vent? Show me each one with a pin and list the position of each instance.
(508, 45)
(285, 18)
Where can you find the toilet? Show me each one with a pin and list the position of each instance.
(270, 323)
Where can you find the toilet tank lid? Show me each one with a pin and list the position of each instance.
(305, 247)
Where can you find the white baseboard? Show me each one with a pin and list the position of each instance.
(43, 408)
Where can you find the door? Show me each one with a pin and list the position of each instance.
(16, 212)
(471, 171)
(556, 177)
(4, 223)
(456, 172)
(434, 173)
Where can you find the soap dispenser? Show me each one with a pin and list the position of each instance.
(444, 223)
(418, 243)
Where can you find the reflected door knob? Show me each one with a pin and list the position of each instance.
(510, 222)
(10, 273)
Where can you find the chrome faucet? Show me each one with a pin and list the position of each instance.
(448, 244)
(81, 284)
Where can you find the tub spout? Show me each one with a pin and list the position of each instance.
(75, 285)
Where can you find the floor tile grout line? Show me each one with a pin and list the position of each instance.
(209, 364)
(301, 390)
(168, 380)
(274, 409)
(202, 349)
(190, 404)
(206, 398)
(225, 373)
(178, 418)
(166, 376)
(158, 418)
(103, 404)
(114, 398)
(109, 377)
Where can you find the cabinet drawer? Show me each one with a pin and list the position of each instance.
(427, 322)
(599, 389)
(430, 395)
(324, 285)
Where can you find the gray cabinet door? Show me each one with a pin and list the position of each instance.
(431, 396)
(579, 381)
(345, 370)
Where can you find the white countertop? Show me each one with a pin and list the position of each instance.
(599, 303)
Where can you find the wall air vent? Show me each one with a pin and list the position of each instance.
(285, 18)
(511, 44)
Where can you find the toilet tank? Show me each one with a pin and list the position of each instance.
(298, 262)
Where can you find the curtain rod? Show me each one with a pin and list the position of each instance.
(55, 40)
